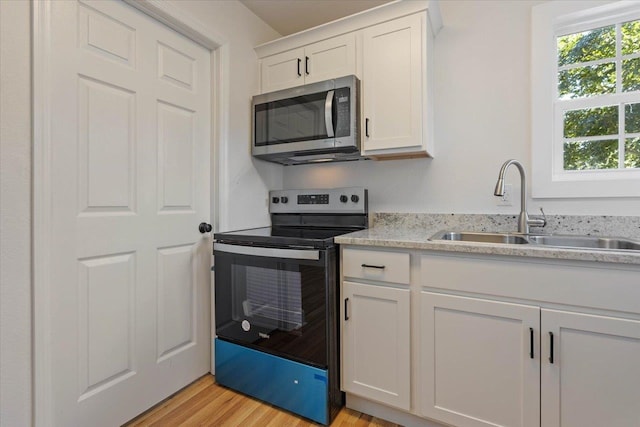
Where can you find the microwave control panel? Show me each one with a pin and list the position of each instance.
(342, 101)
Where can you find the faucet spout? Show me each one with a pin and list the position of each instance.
(523, 220)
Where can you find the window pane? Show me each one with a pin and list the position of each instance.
(591, 155)
(586, 81)
(630, 37)
(632, 153)
(591, 45)
(591, 122)
(632, 118)
(631, 75)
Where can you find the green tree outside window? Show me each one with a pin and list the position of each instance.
(588, 65)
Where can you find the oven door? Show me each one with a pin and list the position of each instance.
(276, 300)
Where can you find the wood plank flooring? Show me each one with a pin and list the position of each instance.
(204, 403)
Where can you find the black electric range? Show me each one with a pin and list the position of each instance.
(276, 301)
(306, 218)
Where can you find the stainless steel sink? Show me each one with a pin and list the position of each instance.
(586, 242)
(557, 240)
(465, 236)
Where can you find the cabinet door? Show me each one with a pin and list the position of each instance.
(478, 365)
(328, 59)
(375, 339)
(594, 379)
(392, 79)
(282, 70)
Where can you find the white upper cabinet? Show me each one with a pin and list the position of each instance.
(335, 57)
(283, 70)
(390, 49)
(394, 83)
(327, 59)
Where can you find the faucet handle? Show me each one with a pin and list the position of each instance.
(544, 217)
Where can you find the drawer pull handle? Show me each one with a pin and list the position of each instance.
(550, 347)
(379, 267)
(346, 315)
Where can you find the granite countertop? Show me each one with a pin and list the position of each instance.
(405, 233)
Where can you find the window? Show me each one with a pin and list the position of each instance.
(586, 100)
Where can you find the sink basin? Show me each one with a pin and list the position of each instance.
(552, 240)
(586, 242)
(479, 237)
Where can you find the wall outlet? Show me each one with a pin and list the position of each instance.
(506, 199)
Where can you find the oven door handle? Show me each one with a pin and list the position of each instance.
(267, 252)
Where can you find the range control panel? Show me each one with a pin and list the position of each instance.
(333, 200)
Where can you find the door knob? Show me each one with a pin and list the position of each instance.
(204, 227)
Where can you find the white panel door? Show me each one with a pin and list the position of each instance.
(593, 378)
(376, 348)
(129, 176)
(479, 366)
(392, 76)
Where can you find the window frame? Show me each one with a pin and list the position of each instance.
(549, 179)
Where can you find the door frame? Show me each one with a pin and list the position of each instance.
(181, 22)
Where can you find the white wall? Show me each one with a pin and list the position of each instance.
(482, 118)
(15, 215)
(246, 184)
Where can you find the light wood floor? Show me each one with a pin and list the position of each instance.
(204, 403)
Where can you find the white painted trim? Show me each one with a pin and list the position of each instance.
(548, 21)
(41, 362)
(179, 21)
(176, 19)
(376, 15)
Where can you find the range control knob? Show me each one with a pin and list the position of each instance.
(355, 198)
(344, 199)
(284, 199)
(275, 200)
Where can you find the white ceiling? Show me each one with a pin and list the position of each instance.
(290, 16)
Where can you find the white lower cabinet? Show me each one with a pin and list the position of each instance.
(492, 363)
(375, 340)
(592, 376)
(480, 362)
(490, 341)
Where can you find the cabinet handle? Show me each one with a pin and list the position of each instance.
(299, 62)
(306, 65)
(531, 343)
(366, 127)
(346, 315)
(550, 347)
(380, 267)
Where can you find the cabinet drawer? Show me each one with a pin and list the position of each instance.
(385, 266)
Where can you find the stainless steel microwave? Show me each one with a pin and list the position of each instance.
(317, 122)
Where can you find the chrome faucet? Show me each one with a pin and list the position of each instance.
(523, 220)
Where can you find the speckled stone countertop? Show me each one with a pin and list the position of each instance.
(413, 231)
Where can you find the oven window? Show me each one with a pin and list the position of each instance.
(273, 298)
(290, 120)
(274, 305)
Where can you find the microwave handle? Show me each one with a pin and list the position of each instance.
(328, 113)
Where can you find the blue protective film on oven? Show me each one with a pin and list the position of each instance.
(293, 386)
